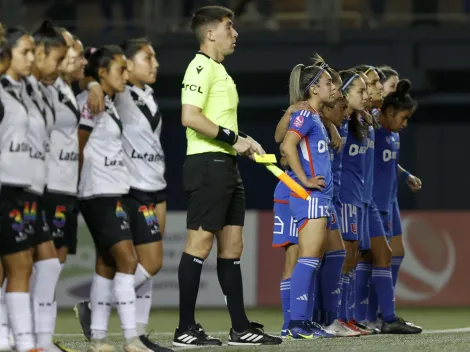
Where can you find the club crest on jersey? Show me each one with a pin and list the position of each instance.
(86, 113)
(299, 121)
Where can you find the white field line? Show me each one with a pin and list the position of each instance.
(117, 334)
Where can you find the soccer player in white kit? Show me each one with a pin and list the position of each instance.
(104, 180)
(145, 203)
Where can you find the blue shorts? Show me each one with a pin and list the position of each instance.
(395, 219)
(285, 226)
(386, 223)
(314, 208)
(364, 235)
(373, 226)
(351, 221)
(335, 215)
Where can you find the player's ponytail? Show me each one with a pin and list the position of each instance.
(295, 92)
(401, 98)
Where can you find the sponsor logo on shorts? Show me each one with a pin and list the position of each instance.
(122, 215)
(150, 218)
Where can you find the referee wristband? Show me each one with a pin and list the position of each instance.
(227, 136)
(405, 175)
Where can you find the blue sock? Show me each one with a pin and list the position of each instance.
(363, 273)
(352, 294)
(316, 303)
(343, 306)
(396, 263)
(330, 273)
(373, 306)
(383, 284)
(304, 273)
(285, 300)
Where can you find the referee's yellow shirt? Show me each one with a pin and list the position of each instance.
(207, 85)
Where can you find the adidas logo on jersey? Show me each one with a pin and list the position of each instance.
(336, 292)
(304, 297)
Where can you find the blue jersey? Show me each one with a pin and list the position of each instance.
(353, 170)
(396, 135)
(313, 149)
(337, 159)
(369, 164)
(384, 168)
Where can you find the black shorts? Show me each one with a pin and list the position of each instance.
(143, 220)
(34, 216)
(215, 190)
(107, 220)
(62, 216)
(14, 233)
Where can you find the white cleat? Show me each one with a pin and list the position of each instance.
(100, 345)
(341, 330)
(135, 345)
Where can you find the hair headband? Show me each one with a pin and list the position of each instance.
(349, 81)
(323, 67)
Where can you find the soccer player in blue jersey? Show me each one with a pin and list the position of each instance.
(352, 181)
(397, 108)
(306, 149)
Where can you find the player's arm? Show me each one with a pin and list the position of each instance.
(336, 140)
(292, 139)
(96, 95)
(283, 124)
(412, 181)
(87, 123)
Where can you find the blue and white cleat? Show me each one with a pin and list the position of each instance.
(318, 331)
(300, 330)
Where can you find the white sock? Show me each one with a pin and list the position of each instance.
(19, 316)
(143, 304)
(4, 330)
(101, 296)
(141, 275)
(62, 266)
(124, 292)
(42, 297)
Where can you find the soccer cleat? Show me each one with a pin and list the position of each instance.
(283, 334)
(59, 347)
(352, 324)
(371, 326)
(253, 336)
(363, 326)
(194, 336)
(409, 322)
(318, 330)
(300, 330)
(152, 345)
(399, 326)
(100, 345)
(135, 345)
(341, 330)
(83, 314)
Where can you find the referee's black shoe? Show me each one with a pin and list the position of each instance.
(194, 336)
(253, 336)
(152, 345)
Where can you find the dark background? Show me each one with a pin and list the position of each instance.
(427, 41)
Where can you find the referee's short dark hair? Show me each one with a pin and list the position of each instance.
(208, 15)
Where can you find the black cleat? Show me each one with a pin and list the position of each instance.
(400, 326)
(194, 336)
(83, 314)
(253, 336)
(152, 345)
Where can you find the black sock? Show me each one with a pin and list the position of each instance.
(230, 279)
(189, 276)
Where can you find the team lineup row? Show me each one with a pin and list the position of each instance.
(343, 246)
(57, 156)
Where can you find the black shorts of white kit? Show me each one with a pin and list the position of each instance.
(13, 232)
(216, 196)
(62, 216)
(106, 219)
(34, 216)
(140, 207)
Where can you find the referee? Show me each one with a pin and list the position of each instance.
(212, 181)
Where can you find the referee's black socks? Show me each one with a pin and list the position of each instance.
(189, 277)
(230, 279)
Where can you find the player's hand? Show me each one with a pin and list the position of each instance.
(317, 182)
(336, 140)
(96, 99)
(414, 183)
(367, 117)
(301, 105)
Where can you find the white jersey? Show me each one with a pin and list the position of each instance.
(62, 164)
(142, 125)
(15, 168)
(41, 119)
(103, 171)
